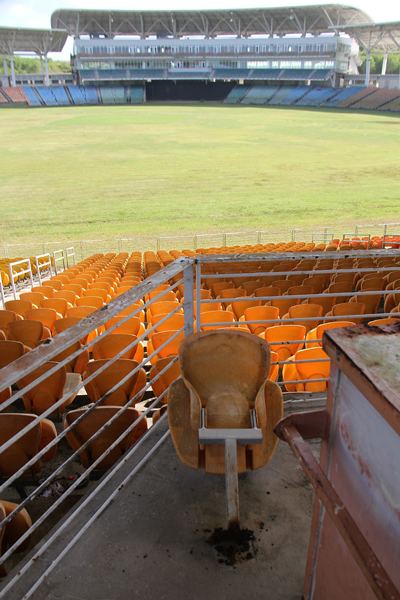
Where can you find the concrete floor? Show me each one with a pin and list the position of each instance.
(151, 542)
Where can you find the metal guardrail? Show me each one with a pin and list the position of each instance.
(14, 275)
(43, 266)
(184, 275)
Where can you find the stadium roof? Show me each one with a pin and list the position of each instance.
(210, 23)
(40, 41)
(381, 37)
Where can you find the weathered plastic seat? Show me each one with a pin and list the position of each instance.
(58, 304)
(260, 313)
(110, 345)
(46, 316)
(239, 308)
(225, 373)
(300, 311)
(67, 295)
(344, 309)
(20, 307)
(94, 301)
(208, 319)
(7, 317)
(20, 452)
(50, 390)
(35, 297)
(307, 370)
(44, 289)
(110, 377)
(93, 421)
(384, 322)
(10, 351)
(172, 323)
(160, 383)
(159, 338)
(317, 332)
(18, 526)
(132, 326)
(285, 340)
(30, 333)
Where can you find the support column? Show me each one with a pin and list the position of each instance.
(384, 63)
(368, 68)
(12, 69)
(46, 70)
(5, 66)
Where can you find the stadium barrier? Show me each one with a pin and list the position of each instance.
(59, 257)
(70, 256)
(16, 274)
(129, 415)
(43, 263)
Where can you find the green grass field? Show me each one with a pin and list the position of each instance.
(102, 172)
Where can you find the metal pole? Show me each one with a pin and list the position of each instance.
(12, 282)
(384, 63)
(368, 68)
(188, 282)
(46, 70)
(12, 67)
(231, 483)
(38, 270)
(198, 297)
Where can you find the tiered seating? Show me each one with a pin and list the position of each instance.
(90, 93)
(316, 96)
(350, 100)
(15, 94)
(77, 94)
(259, 94)
(393, 105)
(3, 99)
(60, 95)
(378, 99)
(342, 95)
(46, 95)
(113, 95)
(288, 95)
(137, 94)
(32, 97)
(236, 94)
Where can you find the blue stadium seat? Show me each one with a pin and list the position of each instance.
(113, 95)
(341, 95)
(137, 94)
(46, 94)
(288, 95)
(60, 95)
(316, 96)
(33, 98)
(259, 94)
(90, 93)
(77, 94)
(237, 94)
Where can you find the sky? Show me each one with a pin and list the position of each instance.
(37, 13)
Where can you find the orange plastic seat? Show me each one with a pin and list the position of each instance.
(47, 392)
(317, 332)
(67, 295)
(163, 308)
(208, 319)
(94, 301)
(55, 284)
(99, 292)
(285, 340)
(261, 313)
(297, 370)
(110, 377)
(344, 309)
(167, 296)
(45, 290)
(383, 322)
(268, 290)
(80, 312)
(9, 351)
(110, 345)
(30, 333)
(20, 452)
(46, 316)
(172, 323)
(7, 317)
(20, 307)
(36, 298)
(225, 373)
(307, 311)
(238, 308)
(133, 326)
(170, 349)
(160, 383)
(76, 288)
(14, 529)
(91, 424)
(58, 304)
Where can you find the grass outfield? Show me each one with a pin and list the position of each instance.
(90, 172)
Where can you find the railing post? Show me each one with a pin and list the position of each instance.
(38, 270)
(2, 296)
(12, 281)
(385, 227)
(188, 308)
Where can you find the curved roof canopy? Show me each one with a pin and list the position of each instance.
(210, 23)
(381, 37)
(40, 41)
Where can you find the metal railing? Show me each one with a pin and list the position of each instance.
(43, 265)
(185, 277)
(16, 274)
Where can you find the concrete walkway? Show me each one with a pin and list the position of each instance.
(151, 542)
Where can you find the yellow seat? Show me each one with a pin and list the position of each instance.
(30, 333)
(317, 332)
(285, 340)
(208, 319)
(307, 311)
(47, 392)
(311, 370)
(90, 425)
(21, 451)
(111, 377)
(260, 313)
(20, 307)
(110, 345)
(160, 383)
(224, 372)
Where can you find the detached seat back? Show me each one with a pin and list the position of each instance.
(225, 373)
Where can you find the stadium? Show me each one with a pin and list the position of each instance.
(200, 275)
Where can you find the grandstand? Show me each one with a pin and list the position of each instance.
(129, 57)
